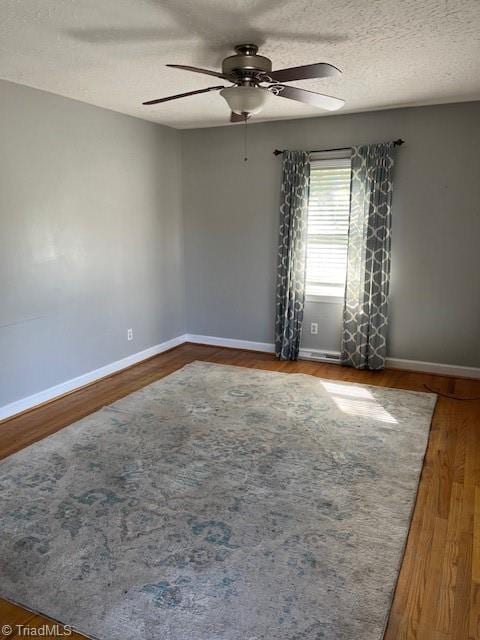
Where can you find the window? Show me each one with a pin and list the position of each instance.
(327, 233)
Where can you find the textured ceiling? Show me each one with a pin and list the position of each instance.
(112, 53)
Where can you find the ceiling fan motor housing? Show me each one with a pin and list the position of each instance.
(245, 61)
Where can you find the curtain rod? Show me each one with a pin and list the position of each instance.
(277, 152)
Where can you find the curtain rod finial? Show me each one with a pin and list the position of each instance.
(277, 152)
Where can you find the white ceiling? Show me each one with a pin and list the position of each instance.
(112, 53)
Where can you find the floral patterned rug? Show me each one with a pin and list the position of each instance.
(219, 503)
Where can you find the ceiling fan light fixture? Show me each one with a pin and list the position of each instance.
(249, 100)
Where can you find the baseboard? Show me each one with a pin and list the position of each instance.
(321, 355)
(333, 357)
(19, 406)
(452, 370)
(231, 343)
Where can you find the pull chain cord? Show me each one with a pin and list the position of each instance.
(245, 139)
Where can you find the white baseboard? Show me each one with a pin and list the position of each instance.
(326, 355)
(29, 402)
(320, 355)
(231, 342)
(456, 371)
(437, 368)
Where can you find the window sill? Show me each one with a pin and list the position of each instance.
(327, 299)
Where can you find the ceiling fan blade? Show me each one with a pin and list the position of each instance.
(208, 72)
(237, 117)
(308, 97)
(319, 70)
(183, 95)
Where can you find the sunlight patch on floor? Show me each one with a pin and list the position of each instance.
(358, 401)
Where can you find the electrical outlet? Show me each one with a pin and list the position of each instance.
(129, 334)
(314, 328)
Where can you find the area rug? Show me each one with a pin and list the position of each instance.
(219, 503)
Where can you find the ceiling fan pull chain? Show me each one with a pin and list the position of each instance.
(245, 140)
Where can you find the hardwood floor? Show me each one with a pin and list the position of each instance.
(438, 591)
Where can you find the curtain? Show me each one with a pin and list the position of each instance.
(365, 314)
(292, 249)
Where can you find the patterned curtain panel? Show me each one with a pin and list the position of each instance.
(365, 314)
(292, 254)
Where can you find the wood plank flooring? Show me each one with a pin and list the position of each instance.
(438, 591)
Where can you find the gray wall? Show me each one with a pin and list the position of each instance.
(231, 221)
(90, 240)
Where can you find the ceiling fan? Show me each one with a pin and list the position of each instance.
(254, 81)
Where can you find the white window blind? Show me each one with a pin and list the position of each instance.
(327, 235)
